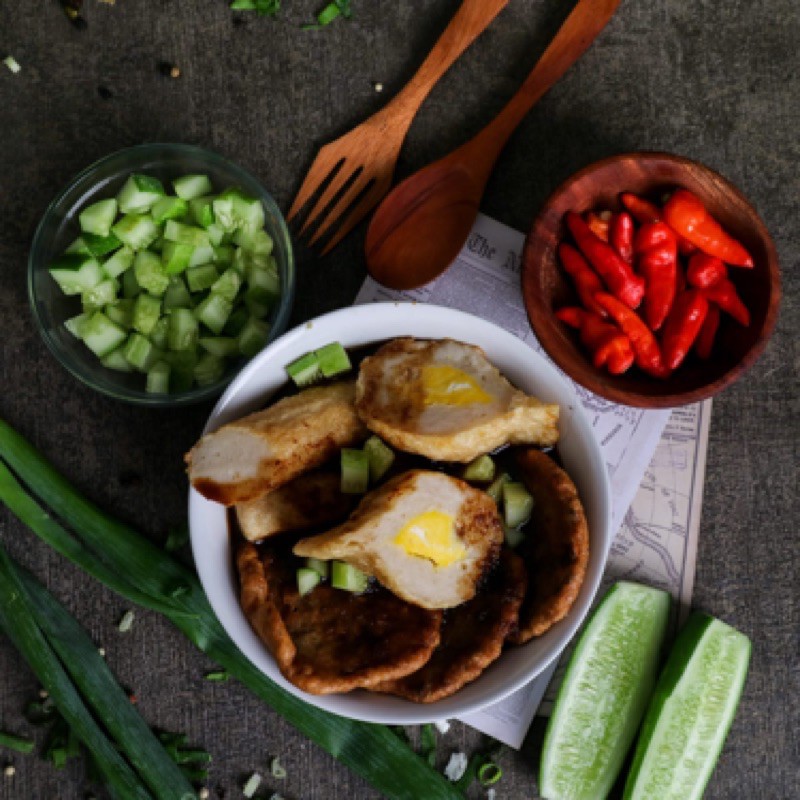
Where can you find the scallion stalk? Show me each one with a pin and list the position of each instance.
(18, 743)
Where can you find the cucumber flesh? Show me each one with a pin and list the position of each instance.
(319, 566)
(690, 713)
(100, 246)
(98, 218)
(136, 230)
(202, 277)
(139, 194)
(169, 208)
(253, 337)
(307, 579)
(333, 360)
(121, 261)
(495, 490)
(76, 273)
(101, 335)
(355, 471)
(140, 352)
(158, 378)
(150, 273)
(349, 578)
(305, 370)
(146, 313)
(608, 682)
(209, 369)
(481, 470)
(188, 187)
(517, 504)
(183, 330)
(176, 257)
(213, 312)
(380, 457)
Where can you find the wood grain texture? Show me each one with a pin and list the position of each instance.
(716, 81)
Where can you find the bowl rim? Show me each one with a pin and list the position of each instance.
(370, 323)
(540, 316)
(198, 394)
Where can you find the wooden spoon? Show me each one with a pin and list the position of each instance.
(420, 227)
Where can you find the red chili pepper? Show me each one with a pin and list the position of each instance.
(620, 235)
(680, 281)
(705, 270)
(657, 251)
(723, 293)
(683, 326)
(705, 339)
(685, 213)
(585, 279)
(597, 224)
(643, 211)
(617, 274)
(647, 353)
(610, 347)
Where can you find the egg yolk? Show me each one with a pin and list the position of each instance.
(432, 535)
(450, 386)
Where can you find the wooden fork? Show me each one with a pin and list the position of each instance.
(364, 159)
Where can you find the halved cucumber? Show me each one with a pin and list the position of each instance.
(690, 713)
(600, 704)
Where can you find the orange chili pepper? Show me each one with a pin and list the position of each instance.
(643, 211)
(597, 225)
(705, 339)
(685, 213)
(586, 281)
(683, 326)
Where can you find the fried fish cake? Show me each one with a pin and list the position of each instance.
(426, 536)
(330, 640)
(309, 501)
(472, 636)
(245, 459)
(446, 401)
(556, 551)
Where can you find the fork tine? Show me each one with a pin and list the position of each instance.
(345, 177)
(324, 168)
(365, 205)
(348, 198)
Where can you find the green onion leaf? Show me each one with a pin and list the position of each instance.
(489, 773)
(126, 622)
(277, 770)
(218, 676)
(18, 743)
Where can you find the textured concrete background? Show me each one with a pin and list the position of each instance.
(716, 81)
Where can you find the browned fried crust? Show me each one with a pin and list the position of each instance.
(472, 636)
(556, 551)
(329, 640)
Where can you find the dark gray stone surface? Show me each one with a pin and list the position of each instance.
(716, 81)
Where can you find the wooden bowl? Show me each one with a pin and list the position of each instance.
(546, 287)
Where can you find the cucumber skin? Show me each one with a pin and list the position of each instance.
(674, 670)
(571, 666)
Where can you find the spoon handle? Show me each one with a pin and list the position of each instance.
(574, 37)
(471, 19)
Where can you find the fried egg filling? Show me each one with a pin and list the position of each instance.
(432, 535)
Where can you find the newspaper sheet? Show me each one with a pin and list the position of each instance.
(655, 459)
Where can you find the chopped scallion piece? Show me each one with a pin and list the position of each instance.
(251, 785)
(277, 770)
(489, 773)
(12, 64)
(217, 676)
(126, 622)
(16, 743)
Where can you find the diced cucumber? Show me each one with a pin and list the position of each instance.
(333, 360)
(157, 246)
(183, 330)
(130, 286)
(307, 580)
(349, 578)
(177, 295)
(140, 352)
(101, 335)
(517, 504)
(121, 313)
(139, 194)
(257, 241)
(305, 370)
(236, 322)
(98, 218)
(118, 263)
(176, 257)
(204, 254)
(263, 286)
(227, 285)
(216, 235)
(182, 364)
(75, 324)
(495, 490)
(690, 712)
(101, 295)
(101, 245)
(380, 457)
(355, 471)
(480, 470)
(319, 566)
(213, 312)
(78, 246)
(188, 187)
(202, 277)
(220, 346)
(185, 234)
(233, 209)
(146, 313)
(159, 336)
(223, 254)
(76, 273)
(257, 310)
(609, 679)
(136, 230)
(514, 536)
(116, 360)
(253, 337)
(158, 378)
(169, 208)
(202, 211)
(150, 274)
(209, 369)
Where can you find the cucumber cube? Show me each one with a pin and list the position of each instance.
(481, 470)
(150, 273)
(209, 369)
(333, 360)
(75, 324)
(204, 254)
(307, 579)
(121, 313)
(305, 370)
(139, 194)
(101, 295)
(116, 360)
(130, 286)
(157, 245)
(146, 313)
(183, 330)
(347, 577)
(76, 273)
(101, 335)
(514, 536)
(220, 346)
(257, 310)
(159, 336)
(101, 245)
(216, 235)
(78, 246)
(213, 312)
(136, 230)
(158, 378)
(202, 211)
(253, 337)
(223, 254)
(188, 187)
(236, 322)
(379, 456)
(256, 241)
(201, 277)
(263, 286)
(227, 285)
(119, 262)
(355, 471)
(176, 257)
(319, 566)
(182, 364)
(185, 234)
(140, 352)
(98, 218)
(517, 504)
(169, 208)
(177, 295)
(495, 490)
(233, 209)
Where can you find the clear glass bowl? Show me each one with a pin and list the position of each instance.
(59, 227)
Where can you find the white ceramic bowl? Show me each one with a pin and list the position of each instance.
(579, 451)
